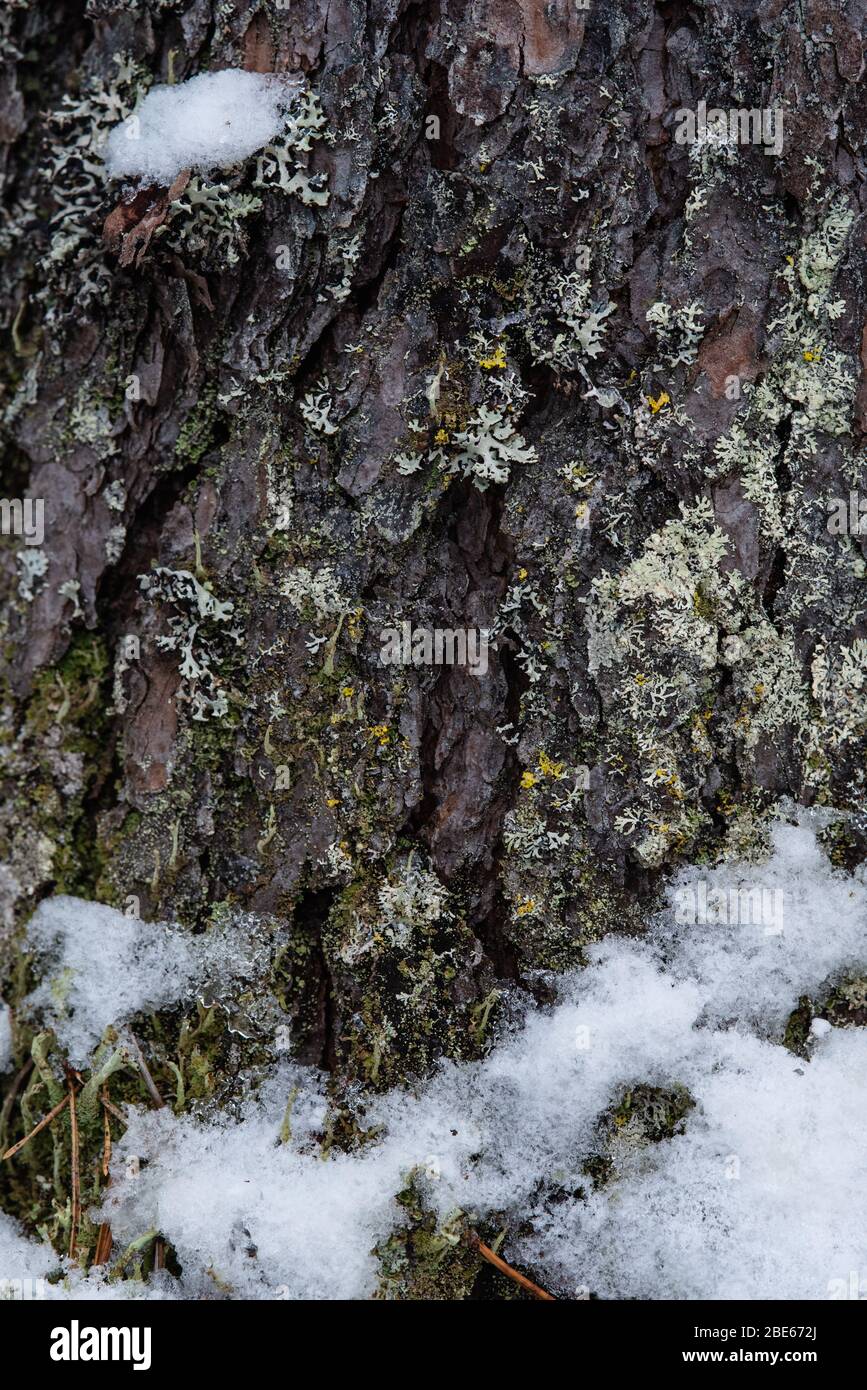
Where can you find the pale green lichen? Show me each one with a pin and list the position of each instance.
(193, 619)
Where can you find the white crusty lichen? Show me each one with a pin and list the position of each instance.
(839, 685)
(487, 447)
(488, 443)
(652, 642)
(676, 562)
(412, 895)
(483, 451)
(808, 387)
(194, 633)
(810, 379)
(570, 295)
(318, 590)
(32, 566)
(75, 174)
(410, 900)
(349, 255)
(820, 256)
(316, 408)
(280, 165)
(208, 219)
(660, 630)
(71, 589)
(678, 329)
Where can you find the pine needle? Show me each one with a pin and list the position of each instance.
(487, 1254)
(76, 1175)
(106, 1134)
(146, 1076)
(46, 1120)
(113, 1110)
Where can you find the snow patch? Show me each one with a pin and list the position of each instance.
(763, 1195)
(765, 932)
(102, 967)
(21, 1259)
(25, 1267)
(211, 121)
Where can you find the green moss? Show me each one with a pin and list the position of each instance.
(652, 1113)
(425, 1258)
(197, 433)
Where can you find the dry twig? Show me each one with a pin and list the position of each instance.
(46, 1120)
(487, 1254)
(76, 1175)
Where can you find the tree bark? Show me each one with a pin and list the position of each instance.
(288, 399)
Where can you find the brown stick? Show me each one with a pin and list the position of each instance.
(487, 1254)
(46, 1120)
(103, 1240)
(76, 1175)
(103, 1245)
(113, 1110)
(17, 1083)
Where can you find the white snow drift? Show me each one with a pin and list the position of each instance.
(101, 967)
(208, 122)
(764, 1194)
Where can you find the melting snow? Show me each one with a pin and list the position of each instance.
(104, 967)
(763, 1195)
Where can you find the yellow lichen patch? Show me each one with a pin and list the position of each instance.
(528, 780)
(381, 733)
(656, 405)
(496, 360)
(441, 437)
(549, 768)
(525, 907)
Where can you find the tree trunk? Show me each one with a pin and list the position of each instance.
(518, 358)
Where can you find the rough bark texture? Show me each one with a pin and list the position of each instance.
(263, 390)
